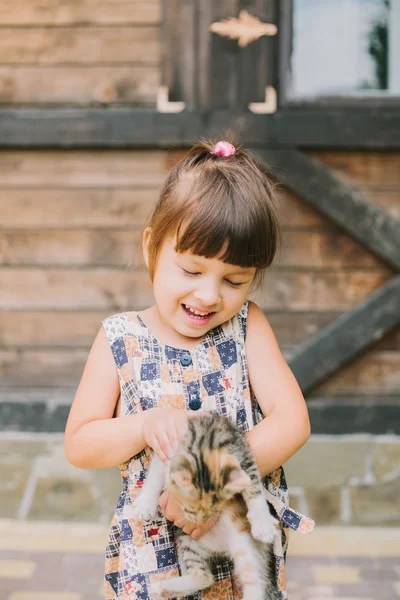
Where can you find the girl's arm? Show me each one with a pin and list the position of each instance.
(93, 438)
(286, 426)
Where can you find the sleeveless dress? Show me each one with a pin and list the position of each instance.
(212, 375)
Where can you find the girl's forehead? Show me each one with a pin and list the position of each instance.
(196, 259)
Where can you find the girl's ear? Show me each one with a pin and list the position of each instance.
(145, 245)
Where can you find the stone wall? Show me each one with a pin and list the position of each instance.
(340, 480)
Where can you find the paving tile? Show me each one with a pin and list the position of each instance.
(52, 536)
(378, 590)
(26, 595)
(347, 541)
(16, 569)
(335, 574)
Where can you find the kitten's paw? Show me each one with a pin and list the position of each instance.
(158, 590)
(144, 508)
(264, 530)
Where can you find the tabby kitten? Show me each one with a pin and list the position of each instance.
(213, 471)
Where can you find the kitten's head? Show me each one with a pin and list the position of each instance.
(204, 484)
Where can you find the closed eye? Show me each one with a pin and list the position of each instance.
(232, 283)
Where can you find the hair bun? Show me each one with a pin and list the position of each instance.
(224, 149)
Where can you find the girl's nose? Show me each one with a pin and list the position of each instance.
(208, 294)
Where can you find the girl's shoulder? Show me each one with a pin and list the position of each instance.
(242, 318)
(121, 325)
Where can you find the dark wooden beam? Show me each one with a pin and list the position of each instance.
(318, 186)
(376, 128)
(347, 337)
(333, 416)
(327, 415)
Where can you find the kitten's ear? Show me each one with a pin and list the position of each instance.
(180, 473)
(182, 478)
(236, 479)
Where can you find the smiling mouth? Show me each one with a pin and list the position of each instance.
(195, 313)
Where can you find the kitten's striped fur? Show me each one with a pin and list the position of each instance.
(213, 471)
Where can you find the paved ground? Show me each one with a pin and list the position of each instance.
(62, 561)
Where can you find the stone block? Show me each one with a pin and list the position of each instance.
(63, 498)
(323, 505)
(376, 504)
(386, 460)
(16, 459)
(106, 485)
(327, 463)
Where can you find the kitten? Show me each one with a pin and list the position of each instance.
(213, 471)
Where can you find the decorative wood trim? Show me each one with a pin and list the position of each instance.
(145, 128)
(316, 184)
(269, 106)
(246, 28)
(347, 337)
(164, 105)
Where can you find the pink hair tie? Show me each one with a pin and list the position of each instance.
(224, 149)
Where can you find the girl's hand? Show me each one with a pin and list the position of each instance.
(164, 428)
(173, 512)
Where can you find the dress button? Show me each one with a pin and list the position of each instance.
(186, 360)
(195, 404)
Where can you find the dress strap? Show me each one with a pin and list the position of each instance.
(290, 517)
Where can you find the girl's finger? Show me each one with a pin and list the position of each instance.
(164, 443)
(188, 528)
(197, 533)
(158, 450)
(163, 501)
(198, 413)
(180, 521)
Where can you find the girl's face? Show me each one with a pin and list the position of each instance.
(194, 294)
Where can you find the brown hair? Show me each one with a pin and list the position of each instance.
(218, 207)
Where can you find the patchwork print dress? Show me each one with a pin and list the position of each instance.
(212, 376)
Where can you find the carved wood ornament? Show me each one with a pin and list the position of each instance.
(246, 28)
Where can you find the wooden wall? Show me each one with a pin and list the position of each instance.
(81, 52)
(69, 222)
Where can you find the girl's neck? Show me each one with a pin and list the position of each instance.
(165, 334)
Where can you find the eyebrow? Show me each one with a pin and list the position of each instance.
(244, 270)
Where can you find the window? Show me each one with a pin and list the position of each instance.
(345, 48)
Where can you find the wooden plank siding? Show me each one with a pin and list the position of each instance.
(69, 222)
(80, 53)
(79, 12)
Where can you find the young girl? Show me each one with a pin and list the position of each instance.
(202, 346)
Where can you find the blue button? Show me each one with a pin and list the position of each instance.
(186, 360)
(195, 404)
